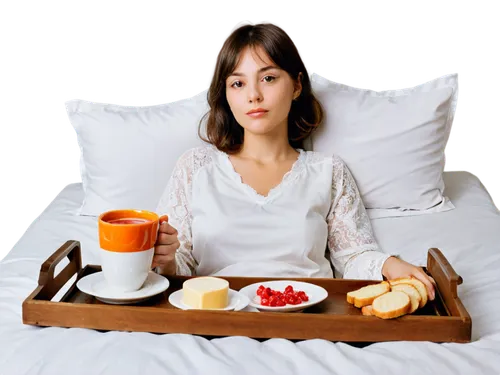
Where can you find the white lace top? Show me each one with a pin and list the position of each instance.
(313, 217)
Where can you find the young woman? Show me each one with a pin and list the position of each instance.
(253, 202)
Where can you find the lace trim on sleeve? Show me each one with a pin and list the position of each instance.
(353, 250)
(176, 202)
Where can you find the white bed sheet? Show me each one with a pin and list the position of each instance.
(469, 236)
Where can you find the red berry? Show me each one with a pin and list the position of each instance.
(272, 297)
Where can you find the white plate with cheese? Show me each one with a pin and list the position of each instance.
(315, 293)
(236, 301)
(208, 293)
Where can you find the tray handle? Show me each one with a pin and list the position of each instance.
(447, 281)
(437, 261)
(50, 284)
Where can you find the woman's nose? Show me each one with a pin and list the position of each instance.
(254, 94)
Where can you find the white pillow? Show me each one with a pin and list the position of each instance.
(128, 153)
(392, 141)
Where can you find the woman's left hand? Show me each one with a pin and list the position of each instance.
(394, 268)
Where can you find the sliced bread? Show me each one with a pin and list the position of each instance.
(367, 310)
(365, 295)
(391, 305)
(412, 292)
(420, 286)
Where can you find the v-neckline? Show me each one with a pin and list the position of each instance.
(288, 177)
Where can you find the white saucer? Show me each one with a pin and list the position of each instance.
(237, 301)
(316, 295)
(96, 286)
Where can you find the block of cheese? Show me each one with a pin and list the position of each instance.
(205, 293)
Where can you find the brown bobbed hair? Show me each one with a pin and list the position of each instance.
(306, 114)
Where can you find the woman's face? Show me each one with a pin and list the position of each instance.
(257, 83)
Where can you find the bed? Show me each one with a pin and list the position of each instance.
(469, 237)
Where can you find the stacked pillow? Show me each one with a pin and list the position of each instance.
(128, 153)
(392, 141)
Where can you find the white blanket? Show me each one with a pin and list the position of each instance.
(469, 236)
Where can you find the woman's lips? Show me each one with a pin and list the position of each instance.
(257, 114)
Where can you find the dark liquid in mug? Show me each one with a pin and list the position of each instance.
(126, 220)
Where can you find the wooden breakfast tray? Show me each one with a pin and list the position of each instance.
(443, 320)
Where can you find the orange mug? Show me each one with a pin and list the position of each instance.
(127, 239)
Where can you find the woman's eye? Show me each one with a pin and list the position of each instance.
(239, 84)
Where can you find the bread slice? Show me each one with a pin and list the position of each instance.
(365, 295)
(412, 293)
(391, 305)
(420, 286)
(367, 310)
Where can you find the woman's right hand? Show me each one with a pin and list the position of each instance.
(166, 245)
